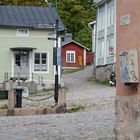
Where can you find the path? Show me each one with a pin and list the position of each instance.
(94, 124)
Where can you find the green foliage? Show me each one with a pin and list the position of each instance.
(105, 82)
(75, 108)
(70, 71)
(24, 2)
(75, 14)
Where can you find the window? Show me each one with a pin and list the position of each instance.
(40, 62)
(17, 59)
(101, 51)
(110, 15)
(70, 56)
(101, 19)
(110, 46)
(22, 32)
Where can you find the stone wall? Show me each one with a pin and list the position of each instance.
(103, 72)
(127, 111)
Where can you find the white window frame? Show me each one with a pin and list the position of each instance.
(110, 14)
(110, 42)
(40, 52)
(101, 49)
(22, 35)
(70, 52)
(101, 19)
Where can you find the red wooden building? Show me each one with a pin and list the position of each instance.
(73, 54)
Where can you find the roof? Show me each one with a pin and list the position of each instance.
(72, 41)
(29, 17)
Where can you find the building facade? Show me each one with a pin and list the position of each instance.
(127, 103)
(105, 46)
(73, 53)
(26, 52)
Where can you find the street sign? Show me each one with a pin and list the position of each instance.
(51, 38)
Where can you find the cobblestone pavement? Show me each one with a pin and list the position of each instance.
(96, 123)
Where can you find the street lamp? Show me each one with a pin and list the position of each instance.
(56, 61)
(56, 64)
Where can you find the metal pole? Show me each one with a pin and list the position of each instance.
(56, 75)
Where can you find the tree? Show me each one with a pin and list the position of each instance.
(24, 2)
(76, 14)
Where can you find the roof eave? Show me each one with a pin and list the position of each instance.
(76, 43)
(91, 24)
(100, 3)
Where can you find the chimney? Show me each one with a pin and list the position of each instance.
(68, 37)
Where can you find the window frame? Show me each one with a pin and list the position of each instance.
(40, 62)
(110, 42)
(101, 19)
(22, 35)
(101, 49)
(70, 52)
(110, 14)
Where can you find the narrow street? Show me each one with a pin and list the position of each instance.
(94, 123)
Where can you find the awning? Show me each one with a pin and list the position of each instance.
(22, 49)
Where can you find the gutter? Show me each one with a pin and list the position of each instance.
(100, 3)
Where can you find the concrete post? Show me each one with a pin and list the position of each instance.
(11, 100)
(61, 105)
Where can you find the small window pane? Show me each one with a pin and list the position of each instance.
(37, 55)
(37, 67)
(44, 55)
(17, 60)
(43, 61)
(37, 61)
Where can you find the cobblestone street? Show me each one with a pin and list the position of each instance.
(94, 123)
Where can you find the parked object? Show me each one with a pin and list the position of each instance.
(25, 92)
(112, 81)
(18, 93)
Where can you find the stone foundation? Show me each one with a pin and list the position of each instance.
(127, 111)
(103, 72)
(60, 107)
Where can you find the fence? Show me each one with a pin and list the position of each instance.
(23, 77)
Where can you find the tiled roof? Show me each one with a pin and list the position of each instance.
(29, 16)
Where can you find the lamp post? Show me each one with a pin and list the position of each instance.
(55, 56)
(56, 64)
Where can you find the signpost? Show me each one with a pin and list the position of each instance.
(56, 75)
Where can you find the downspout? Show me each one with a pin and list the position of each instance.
(94, 62)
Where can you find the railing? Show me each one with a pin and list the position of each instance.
(24, 77)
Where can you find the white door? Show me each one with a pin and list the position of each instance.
(21, 64)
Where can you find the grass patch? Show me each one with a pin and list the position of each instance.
(105, 82)
(70, 71)
(75, 108)
(95, 81)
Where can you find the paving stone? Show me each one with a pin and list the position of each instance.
(94, 123)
